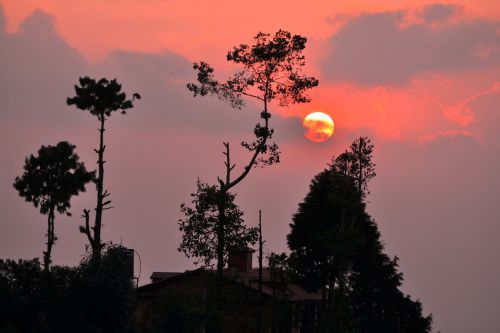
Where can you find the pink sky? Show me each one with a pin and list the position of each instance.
(421, 78)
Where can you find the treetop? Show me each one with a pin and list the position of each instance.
(271, 70)
(101, 97)
(53, 177)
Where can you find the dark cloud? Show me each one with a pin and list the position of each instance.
(439, 12)
(385, 49)
(38, 68)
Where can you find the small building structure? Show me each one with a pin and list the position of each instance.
(174, 297)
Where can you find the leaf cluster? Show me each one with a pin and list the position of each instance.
(269, 153)
(199, 225)
(357, 164)
(101, 97)
(53, 177)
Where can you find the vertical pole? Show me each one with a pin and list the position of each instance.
(261, 243)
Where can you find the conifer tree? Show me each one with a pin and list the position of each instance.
(336, 249)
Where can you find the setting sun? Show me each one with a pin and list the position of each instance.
(319, 126)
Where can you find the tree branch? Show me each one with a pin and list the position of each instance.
(86, 229)
(258, 150)
(229, 168)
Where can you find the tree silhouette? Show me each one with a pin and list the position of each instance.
(336, 248)
(271, 69)
(101, 98)
(357, 164)
(279, 270)
(199, 227)
(323, 233)
(49, 181)
(81, 299)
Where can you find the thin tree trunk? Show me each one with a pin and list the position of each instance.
(225, 186)
(261, 243)
(50, 241)
(96, 246)
(220, 247)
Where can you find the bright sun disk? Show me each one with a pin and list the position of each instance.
(319, 126)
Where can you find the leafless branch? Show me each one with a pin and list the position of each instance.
(86, 229)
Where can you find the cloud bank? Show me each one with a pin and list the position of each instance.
(390, 48)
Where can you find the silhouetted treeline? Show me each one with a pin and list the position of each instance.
(87, 298)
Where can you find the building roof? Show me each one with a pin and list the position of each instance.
(156, 276)
(246, 278)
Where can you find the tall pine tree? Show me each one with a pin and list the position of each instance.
(101, 98)
(336, 249)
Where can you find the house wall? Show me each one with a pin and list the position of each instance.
(195, 296)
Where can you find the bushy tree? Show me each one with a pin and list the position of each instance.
(106, 292)
(101, 98)
(271, 70)
(20, 283)
(336, 249)
(49, 181)
(199, 226)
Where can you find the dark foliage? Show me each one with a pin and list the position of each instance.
(199, 227)
(279, 269)
(49, 181)
(107, 293)
(324, 233)
(357, 164)
(101, 97)
(81, 299)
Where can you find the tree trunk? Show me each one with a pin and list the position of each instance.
(96, 246)
(50, 240)
(261, 243)
(220, 247)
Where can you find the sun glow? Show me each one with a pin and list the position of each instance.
(319, 126)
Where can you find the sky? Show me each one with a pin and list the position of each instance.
(420, 78)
